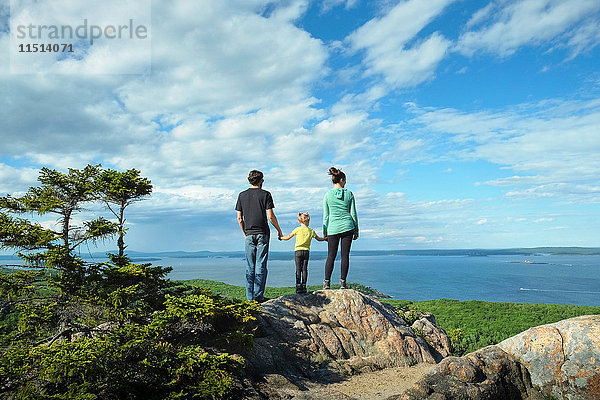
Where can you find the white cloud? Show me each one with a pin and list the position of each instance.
(565, 192)
(514, 24)
(387, 42)
(90, 21)
(328, 5)
(217, 60)
(16, 179)
(552, 144)
(584, 38)
(425, 240)
(290, 11)
(480, 15)
(226, 82)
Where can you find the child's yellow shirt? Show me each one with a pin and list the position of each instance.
(304, 235)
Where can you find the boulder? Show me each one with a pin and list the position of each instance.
(331, 334)
(436, 337)
(487, 374)
(563, 358)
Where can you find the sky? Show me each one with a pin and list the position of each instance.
(459, 123)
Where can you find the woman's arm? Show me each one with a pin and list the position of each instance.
(354, 216)
(325, 215)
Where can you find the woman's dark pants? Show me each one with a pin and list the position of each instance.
(333, 241)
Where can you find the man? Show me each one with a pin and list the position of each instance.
(254, 206)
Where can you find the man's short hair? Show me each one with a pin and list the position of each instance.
(255, 177)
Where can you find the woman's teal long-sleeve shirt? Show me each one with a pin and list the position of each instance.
(339, 212)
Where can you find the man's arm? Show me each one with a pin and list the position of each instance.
(241, 222)
(273, 220)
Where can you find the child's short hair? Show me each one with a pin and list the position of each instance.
(304, 218)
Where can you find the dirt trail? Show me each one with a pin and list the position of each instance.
(381, 384)
(377, 385)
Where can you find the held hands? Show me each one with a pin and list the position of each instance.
(355, 236)
(288, 237)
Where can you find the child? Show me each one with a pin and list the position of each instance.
(304, 235)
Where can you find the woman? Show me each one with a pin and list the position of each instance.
(340, 224)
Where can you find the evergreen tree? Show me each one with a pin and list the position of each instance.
(60, 194)
(119, 190)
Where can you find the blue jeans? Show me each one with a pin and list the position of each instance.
(257, 252)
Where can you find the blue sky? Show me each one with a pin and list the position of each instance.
(460, 124)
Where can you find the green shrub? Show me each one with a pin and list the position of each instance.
(171, 356)
(456, 337)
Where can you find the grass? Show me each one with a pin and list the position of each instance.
(238, 292)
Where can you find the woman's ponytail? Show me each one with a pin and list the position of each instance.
(336, 175)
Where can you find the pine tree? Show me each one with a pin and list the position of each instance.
(118, 190)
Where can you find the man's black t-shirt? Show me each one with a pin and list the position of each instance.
(253, 203)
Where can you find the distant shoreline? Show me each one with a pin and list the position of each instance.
(316, 254)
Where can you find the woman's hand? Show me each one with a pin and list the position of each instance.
(355, 235)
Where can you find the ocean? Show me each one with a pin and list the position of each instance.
(520, 278)
(555, 279)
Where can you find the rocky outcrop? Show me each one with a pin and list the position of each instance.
(436, 337)
(487, 374)
(563, 358)
(325, 336)
(337, 332)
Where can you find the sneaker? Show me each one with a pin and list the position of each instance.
(343, 284)
(299, 289)
(326, 285)
(304, 288)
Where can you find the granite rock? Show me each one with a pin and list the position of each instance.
(333, 333)
(436, 337)
(487, 374)
(563, 358)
